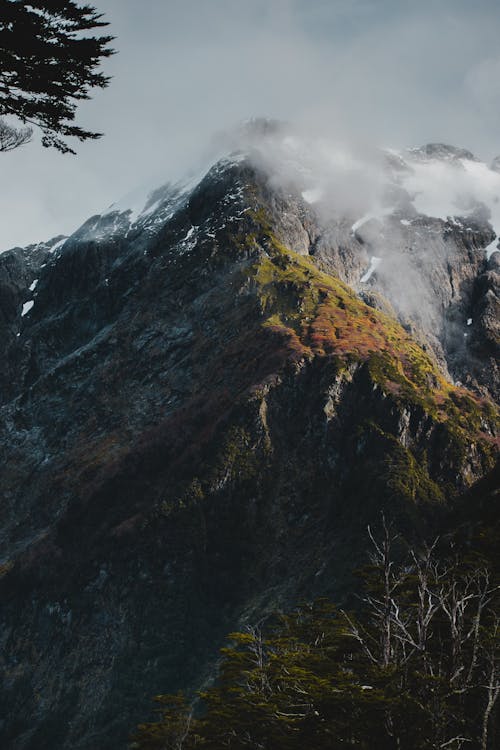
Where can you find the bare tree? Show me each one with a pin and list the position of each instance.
(493, 684)
(11, 138)
(436, 618)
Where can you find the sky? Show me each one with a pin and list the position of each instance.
(380, 72)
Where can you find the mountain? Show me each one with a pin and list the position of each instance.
(208, 394)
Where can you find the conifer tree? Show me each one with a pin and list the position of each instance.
(49, 62)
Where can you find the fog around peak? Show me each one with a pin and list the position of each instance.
(396, 209)
(366, 73)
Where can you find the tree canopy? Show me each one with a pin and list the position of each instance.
(415, 667)
(49, 62)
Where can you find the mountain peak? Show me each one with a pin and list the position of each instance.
(204, 403)
(441, 152)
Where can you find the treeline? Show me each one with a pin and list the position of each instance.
(416, 665)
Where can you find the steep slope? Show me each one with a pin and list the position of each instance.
(199, 418)
(426, 241)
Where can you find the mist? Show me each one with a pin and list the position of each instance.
(395, 209)
(361, 74)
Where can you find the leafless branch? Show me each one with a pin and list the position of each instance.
(11, 138)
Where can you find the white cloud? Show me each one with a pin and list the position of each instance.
(385, 71)
(482, 83)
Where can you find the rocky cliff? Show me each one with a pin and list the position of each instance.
(203, 405)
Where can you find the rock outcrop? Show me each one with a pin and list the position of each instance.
(200, 415)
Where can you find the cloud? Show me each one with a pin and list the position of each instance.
(372, 202)
(482, 83)
(360, 71)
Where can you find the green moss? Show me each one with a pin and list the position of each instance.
(324, 317)
(245, 242)
(403, 473)
(5, 568)
(237, 459)
(260, 217)
(409, 478)
(194, 492)
(192, 495)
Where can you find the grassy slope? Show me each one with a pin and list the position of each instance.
(321, 316)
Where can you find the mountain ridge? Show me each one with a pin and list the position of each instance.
(206, 418)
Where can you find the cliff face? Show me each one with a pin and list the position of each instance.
(200, 416)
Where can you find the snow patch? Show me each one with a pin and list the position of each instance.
(469, 321)
(188, 243)
(491, 248)
(58, 244)
(447, 189)
(189, 234)
(133, 203)
(33, 285)
(359, 223)
(374, 264)
(27, 307)
(376, 214)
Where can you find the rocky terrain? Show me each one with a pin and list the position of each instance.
(204, 403)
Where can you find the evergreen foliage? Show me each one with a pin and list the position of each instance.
(416, 666)
(48, 63)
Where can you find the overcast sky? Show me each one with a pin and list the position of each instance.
(389, 72)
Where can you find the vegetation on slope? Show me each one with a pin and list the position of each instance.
(322, 316)
(416, 663)
(416, 666)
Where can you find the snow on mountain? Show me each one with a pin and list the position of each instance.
(374, 264)
(338, 180)
(444, 187)
(185, 363)
(27, 306)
